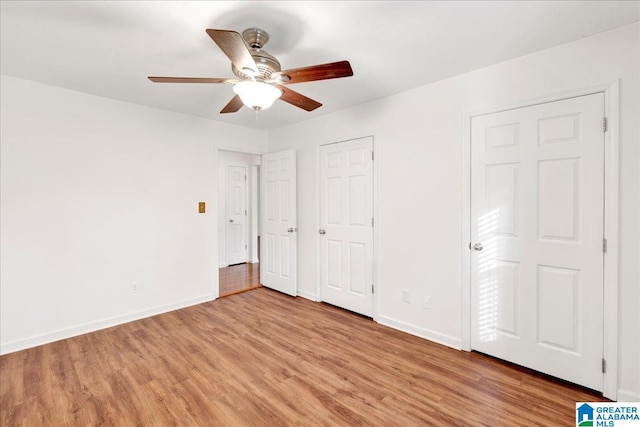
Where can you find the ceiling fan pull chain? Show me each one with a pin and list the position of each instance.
(257, 118)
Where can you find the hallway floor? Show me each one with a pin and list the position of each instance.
(239, 278)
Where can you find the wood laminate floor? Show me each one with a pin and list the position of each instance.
(261, 358)
(238, 278)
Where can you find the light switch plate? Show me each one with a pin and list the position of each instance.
(201, 207)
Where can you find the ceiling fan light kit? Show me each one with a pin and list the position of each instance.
(261, 78)
(257, 95)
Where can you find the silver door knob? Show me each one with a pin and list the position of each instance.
(230, 220)
(290, 230)
(322, 231)
(477, 246)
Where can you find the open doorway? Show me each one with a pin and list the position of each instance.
(238, 222)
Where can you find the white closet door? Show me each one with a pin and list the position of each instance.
(537, 227)
(346, 227)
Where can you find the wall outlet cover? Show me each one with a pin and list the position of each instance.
(406, 296)
(427, 302)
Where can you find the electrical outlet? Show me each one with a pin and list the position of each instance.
(427, 302)
(135, 287)
(406, 296)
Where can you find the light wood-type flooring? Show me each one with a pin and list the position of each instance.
(261, 358)
(238, 278)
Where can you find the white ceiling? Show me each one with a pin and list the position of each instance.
(108, 48)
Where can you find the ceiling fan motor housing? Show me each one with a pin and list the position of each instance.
(267, 64)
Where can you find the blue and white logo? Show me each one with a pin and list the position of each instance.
(584, 416)
(607, 414)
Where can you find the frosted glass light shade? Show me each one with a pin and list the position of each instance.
(257, 95)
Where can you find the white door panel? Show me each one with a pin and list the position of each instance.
(236, 214)
(346, 213)
(279, 232)
(537, 210)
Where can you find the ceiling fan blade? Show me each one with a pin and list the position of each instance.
(233, 45)
(187, 80)
(233, 106)
(333, 70)
(299, 100)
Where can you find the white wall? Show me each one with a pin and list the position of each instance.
(418, 138)
(97, 194)
(251, 161)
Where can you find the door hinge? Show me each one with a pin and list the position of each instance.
(604, 246)
(245, 211)
(373, 290)
(604, 366)
(604, 124)
(245, 177)
(245, 246)
(372, 155)
(372, 222)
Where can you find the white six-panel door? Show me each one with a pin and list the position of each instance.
(537, 228)
(278, 241)
(236, 214)
(346, 228)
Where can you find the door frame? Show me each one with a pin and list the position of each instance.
(611, 221)
(219, 191)
(375, 248)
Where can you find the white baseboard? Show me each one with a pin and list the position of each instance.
(428, 334)
(23, 344)
(628, 396)
(308, 295)
(255, 261)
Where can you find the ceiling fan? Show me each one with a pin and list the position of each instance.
(260, 80)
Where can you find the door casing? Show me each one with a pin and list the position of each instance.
(611, 210)
(220, 191)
